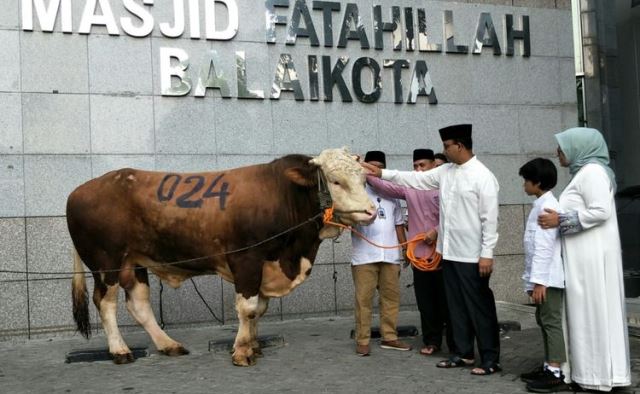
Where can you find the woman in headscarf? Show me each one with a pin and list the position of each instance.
(596, 317)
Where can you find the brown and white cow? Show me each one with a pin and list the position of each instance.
(128, 221)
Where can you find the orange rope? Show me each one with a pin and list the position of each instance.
(427, 263)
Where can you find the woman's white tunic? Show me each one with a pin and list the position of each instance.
(597, 340)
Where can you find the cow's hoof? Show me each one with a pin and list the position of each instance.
(174, 351)
(257, 352)
(243, 361)
(125, 358)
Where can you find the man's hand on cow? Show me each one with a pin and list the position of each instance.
(371, 169)
(485, 266)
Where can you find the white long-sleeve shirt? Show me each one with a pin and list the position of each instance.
(382, 231)
(542, 250)
(468, 227)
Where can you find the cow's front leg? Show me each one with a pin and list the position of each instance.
(263, 303)
(247, 308)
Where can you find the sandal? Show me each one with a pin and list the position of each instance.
(455, 362)
(429, 350)
(488, 370)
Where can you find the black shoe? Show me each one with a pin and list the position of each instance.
(548, 383)
(535, 374)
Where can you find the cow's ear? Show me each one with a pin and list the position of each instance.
(302, 176)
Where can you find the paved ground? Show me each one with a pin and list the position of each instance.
(318, 356)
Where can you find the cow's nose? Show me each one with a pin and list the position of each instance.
(372, 215)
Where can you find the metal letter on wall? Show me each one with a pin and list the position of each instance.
(314, 88)
(241, 72)
(333, 77)
(351, 14)
(178, 29)
(423, 38)
(167, 72)
(272, 19)
(47, 17)
(421, 84)
(327, 8)
(518, 34)
(136, 29)
(409, 29)
(397, 66)
(379, 27)
(286, 78)
(209, 78)
(89, 17)
(194, 18)
(309, 31)
(485, 25)
(210, 18)
(449, 37)
(356, 80)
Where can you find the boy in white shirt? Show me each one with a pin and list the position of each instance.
(544, 276)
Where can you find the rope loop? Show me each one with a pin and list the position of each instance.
(427, 263)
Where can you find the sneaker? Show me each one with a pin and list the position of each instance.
(395, 345)
(362, 350)
(535, 374)
(548, 383)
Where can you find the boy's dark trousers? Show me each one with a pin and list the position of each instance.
(549, 318)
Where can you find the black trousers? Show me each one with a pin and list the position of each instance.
(472, 311)
(432, 304)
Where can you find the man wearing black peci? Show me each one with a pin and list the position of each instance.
(467, 237)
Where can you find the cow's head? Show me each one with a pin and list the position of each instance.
(345, 181)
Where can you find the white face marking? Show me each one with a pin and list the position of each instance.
(345, 180)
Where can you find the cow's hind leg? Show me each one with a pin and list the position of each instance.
(137, 291)
(105, 297)
(263, 303)
(247, 308)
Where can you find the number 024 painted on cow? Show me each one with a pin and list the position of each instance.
(170, 182)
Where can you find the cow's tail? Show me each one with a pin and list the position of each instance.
(80, 297)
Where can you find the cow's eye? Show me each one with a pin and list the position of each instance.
(336, 183)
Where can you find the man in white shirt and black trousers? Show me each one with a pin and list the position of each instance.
(467, 236)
